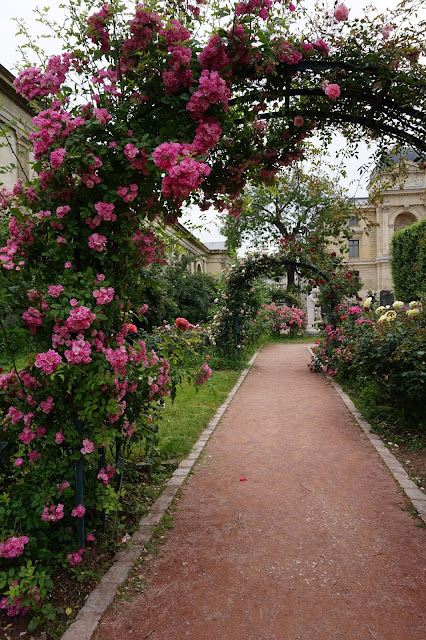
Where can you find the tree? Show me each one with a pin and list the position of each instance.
(186, 294)
(296, 205)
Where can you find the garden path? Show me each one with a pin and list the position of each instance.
(315, 544)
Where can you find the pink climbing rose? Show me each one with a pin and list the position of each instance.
(48, 361)
(57, 158)
(97, 242)
(332, 91)
(13, 547)
(55, 290)
(88, 446)
(341, 12)
(79, 511)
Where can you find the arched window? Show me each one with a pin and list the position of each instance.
(199, 268)
(404, 220)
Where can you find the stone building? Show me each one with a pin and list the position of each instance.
(206, 257)
(16, 114)
(397, 207)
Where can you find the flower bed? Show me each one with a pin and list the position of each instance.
(381, 351)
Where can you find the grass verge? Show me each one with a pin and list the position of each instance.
(185, 419)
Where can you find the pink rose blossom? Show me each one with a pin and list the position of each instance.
(48, 361)
(88, 447)
(62, 211)
(117, 358)
(203, 374)
(90, 537)
(73, 302)
(105, 211)
(341, 12)
(47, 405)
(68, 265)
(55, 290)
(33, 455)
(18, 462)
(79, 318)
(75, 558)
(79, 511)
(386, 31)
(97, 242)
(103, 295)
(63, 486)
(13, 547)
(298, 121)
(61, 240)
(332, 91)
(130, 151)
(57, 158)
(52, 513)
(59, 437)
(106, 476)
(79, 352)
(102, 115)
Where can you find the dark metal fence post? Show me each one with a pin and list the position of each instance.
(79, 490)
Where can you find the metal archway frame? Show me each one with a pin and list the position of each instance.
(265, 268)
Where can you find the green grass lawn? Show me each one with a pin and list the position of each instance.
(188, 416)
(6, 363)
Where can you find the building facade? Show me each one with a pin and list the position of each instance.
(205, 257)
(16, 116)
(397, 207)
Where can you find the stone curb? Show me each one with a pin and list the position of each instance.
(411, 490)
(104, 593)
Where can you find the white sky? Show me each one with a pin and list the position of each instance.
(10, 58)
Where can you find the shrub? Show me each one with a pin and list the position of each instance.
(386, 346)
(408, 261)
(285, 320)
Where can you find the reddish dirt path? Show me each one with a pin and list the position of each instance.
(315, 545)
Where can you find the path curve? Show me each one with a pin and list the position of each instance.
(315, 544)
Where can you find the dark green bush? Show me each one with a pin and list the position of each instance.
(408, 262)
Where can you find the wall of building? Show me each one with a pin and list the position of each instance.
(397, 207)
(15, 147)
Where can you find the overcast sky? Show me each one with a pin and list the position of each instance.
(10, 58)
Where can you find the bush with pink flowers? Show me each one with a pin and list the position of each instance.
(381, 353)
(284, 320)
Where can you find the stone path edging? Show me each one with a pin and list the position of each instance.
(104, 593)
(411, 490)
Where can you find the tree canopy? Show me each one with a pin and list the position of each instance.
(295, 205)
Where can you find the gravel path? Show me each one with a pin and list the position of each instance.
(315, 544)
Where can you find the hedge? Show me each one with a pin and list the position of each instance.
(408, 261)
